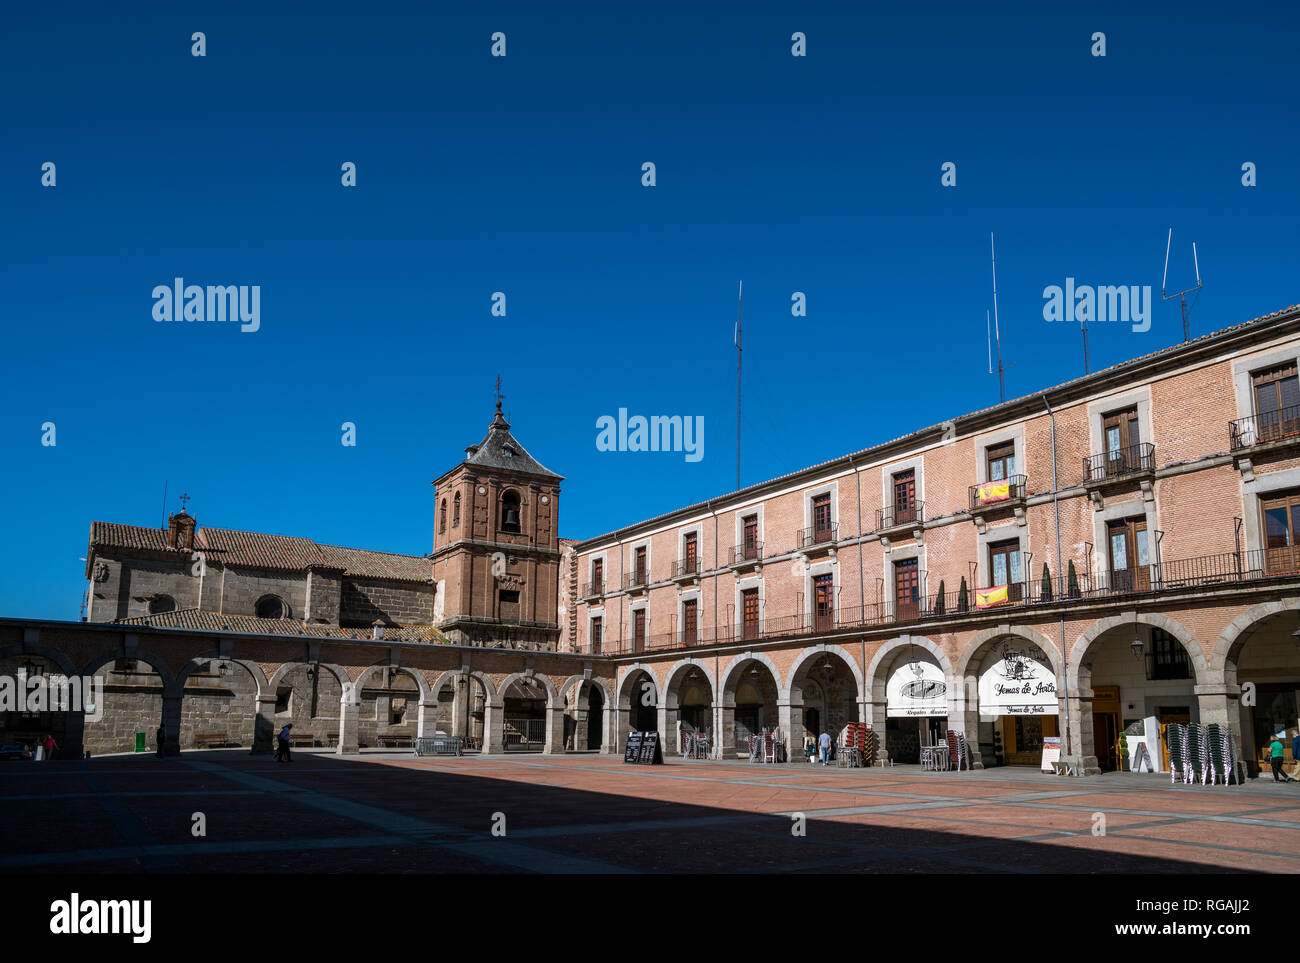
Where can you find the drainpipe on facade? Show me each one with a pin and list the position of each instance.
(1056, 507)
(862, 599)
(717, 713)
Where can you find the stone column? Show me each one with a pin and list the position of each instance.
(726, 733)
(1082, 749)
(421, 708)
(554, 732)
(622, 726)
(460, 688)
(666, 722)
(1220, 704)
(790, 718)
(494, 727)
(964, 716)
(263, 725)
(349, 721)
(171, 723)
(608, 727)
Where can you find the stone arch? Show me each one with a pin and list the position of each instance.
(629, 673)
(155, 662)
(450, 676)
(727, 685)
(553, 699)
(789, 690)
(677, 671)
(1153, 619)
(594, 680)
(420, 681)
(980, 639)
(166, 703)
(73, 734)
(253, 669)
(1227, 648)
(876, 677)
(286, 667)
(45, 652)
(581, 704)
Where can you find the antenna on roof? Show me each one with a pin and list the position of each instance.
(1002, 387)
(163, 523)
(740, 305)
(1181, 295)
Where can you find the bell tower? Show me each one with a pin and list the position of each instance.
(496, 550)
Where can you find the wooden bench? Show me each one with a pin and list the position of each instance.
(214, 740)
(394, 742)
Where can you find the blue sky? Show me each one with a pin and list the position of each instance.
(522, 174)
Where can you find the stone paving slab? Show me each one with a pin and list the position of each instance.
(391, 812)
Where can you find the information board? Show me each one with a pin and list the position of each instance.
(643, 749)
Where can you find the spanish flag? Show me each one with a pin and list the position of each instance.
(989, 597)
(994, 491)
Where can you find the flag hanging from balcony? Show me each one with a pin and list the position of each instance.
(987, 598)
(994, 491)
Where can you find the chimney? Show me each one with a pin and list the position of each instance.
(377, 630)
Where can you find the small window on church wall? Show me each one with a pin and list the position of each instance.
(442, 517)
(510, 512)
(271, 607)
(282, 695)
(455, 511)
(161, 603)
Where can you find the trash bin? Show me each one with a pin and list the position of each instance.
(139, 742)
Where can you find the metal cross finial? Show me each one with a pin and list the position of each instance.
(184, 499)
(499, 396)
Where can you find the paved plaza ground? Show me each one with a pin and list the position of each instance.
(390, 812)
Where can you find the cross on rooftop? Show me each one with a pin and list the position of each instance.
(499, 396)
(185, 499)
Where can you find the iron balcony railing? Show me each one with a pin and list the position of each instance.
(991, 494)
(1120, 462)
(684, 567)
(818, 535)
(747, 552)
(899, 513)
(636, 579)
(593, 589)
(1265, 427)
(1204, 571)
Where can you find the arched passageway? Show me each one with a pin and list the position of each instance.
(751, 691)
(1015, 711)
(824, 697)
(1259, 657)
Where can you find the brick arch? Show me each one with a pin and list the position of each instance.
(420, 681)
(810, 653)
(157, 663)
(553, 700)
(287, 667)
(877, 680)
(594, 680)
(1153, 619)
(625, 697)
(255, 670)
(726, 697)
(981, 639)
(45, 652)
(1227, 648)
(489, 690)
(678, 671)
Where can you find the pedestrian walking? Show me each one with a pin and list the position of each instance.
(162, 741)
(1275, 757)
(50, 746)
(825, 742)
(282, 744)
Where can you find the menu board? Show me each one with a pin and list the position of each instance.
(643, 749)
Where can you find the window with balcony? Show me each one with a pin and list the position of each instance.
(1005, 568)
(907, 588)
(597, 585)
(905, 496)
(821, 512)
(1277, 403)
(749, 610)
(1130, 554)
(639, 566)
(638, 630)
(823, 603)
(690, 554)
(1281, 518)
(597, 633)
(1001, 461)
(749, 538)
(690, 622)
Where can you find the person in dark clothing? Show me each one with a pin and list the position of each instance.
(162, 741)
(1275, 757)
(282, 744)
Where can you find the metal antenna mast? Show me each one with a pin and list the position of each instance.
(740, 304)
(1181, 295)
(1002, 387)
